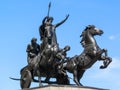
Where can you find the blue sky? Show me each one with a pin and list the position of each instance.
(20, 20)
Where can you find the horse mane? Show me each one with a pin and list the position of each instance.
(83, 33)
(87, 27)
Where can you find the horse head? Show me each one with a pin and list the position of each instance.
(93, 30)
(88, 34)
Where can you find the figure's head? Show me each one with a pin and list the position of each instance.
(33, 40)
(50, 19)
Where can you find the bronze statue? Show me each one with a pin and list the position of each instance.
(50, 61)
(91, 53)
(77, 65)
(47, 25)
(47, 62)
(32, 50)
(42, 27)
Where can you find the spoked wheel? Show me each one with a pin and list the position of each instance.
(26, 79)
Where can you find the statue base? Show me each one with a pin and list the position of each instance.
(64, 87)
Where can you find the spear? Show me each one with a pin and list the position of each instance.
(49, 9)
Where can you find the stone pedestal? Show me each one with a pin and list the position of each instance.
(65, 87)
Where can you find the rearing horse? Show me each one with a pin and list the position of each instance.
(91, 53)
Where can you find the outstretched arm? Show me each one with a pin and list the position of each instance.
(58, 24)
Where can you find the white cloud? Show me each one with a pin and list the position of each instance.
(112, 37)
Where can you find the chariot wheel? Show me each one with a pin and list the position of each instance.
(26, 79)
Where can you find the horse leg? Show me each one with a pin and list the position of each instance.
(47, 78)
(106, 61)
(75, 75)
(101, 52)
(37, 72)
(39, 78)
(80, 75)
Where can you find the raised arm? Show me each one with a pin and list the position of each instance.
(58, 24)
(43, 21)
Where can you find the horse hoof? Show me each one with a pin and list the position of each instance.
(102, 67)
